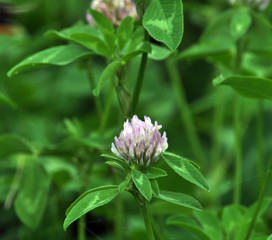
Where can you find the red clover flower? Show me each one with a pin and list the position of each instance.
(140, 142)
(114, 10)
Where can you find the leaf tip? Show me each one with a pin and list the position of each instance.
(218, 80)
(95, 92)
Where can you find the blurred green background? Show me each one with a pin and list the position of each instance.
(35, 104)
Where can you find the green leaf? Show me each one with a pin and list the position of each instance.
(188, 224)
(31, 200)
(135, 41)
(155, 187)
(203, 50)
(270, 237)
(7, 101)
(122, 186)
(210, 224)
(105, 27)
(116, 165)
(67, 32)
(124, 32)
(142, 183)
(11, 143)
(108, 72)
(154, 172)
(230, 217)
(61, 55)
(240, 23)
(159, 53)
(74, 128)
(179, 199)
(163, 19)
(119, 160)
(88, 201)
(185, 169)
(248, 86)
(144, 47)
(92, 42)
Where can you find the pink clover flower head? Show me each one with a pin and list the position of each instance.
(114, 10)
(140, 142)
(259, 4)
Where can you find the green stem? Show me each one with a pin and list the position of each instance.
(236, 113)
(238, 152)
(85, 163)
(119, 211)
(138, 86)
(218, 120)
(106, 113)
(81, 228)
(15, 182)
(97, 102)
(155, 229)
(260, 135)
(185, 111)
(147, 219)
(260, 199)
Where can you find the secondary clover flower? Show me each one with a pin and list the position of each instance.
(260, 4)
(140, 142)
(114, 10)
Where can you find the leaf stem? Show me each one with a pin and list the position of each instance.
(185, 111)
(260, 199)
(138, 86)
(88, 65)
(107, 108)
(15, 182)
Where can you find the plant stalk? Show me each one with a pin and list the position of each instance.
(185, 111)
(237, 127)
(107, 108)
(238, 152)
(260, 199)
(260, 143)
(81, 228)
(88, 65)
(218, 120)
(138, 86)
(147, 219)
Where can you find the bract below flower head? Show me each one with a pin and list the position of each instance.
(114, 10)
(140, 142)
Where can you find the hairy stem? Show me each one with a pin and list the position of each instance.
(147, 220)
(185, 111)
(260, 199)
